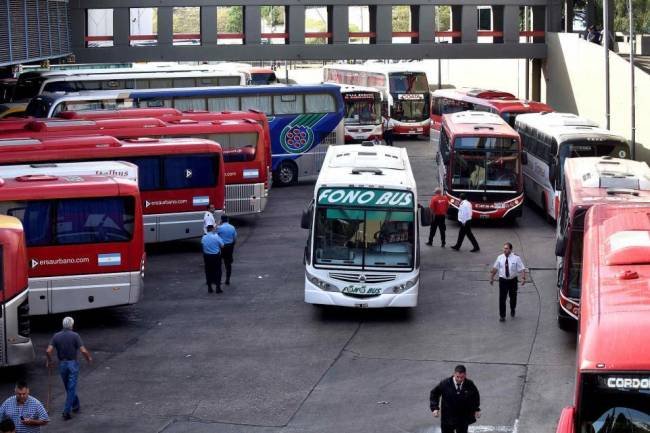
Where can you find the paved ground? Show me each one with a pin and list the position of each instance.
(256, 359)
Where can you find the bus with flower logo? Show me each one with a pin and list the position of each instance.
(303, 119)
(363, 245)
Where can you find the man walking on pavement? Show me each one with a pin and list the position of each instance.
(208, 218)
(228, 235)
(508, 265)
(465, 220)
(26, 412)
(68, 344)
(438, 205)
(389, 126)
(459, 401)
(212, 244)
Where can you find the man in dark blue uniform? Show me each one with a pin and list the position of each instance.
(212, 245)
(228, 235)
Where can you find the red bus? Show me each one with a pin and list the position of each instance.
(84, 240)
(15, 345)
(178, 177)
(589, 181)
(506, 105)
(481, 156)
(612, 390)
(246, 146)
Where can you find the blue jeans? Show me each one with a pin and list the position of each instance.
(69, 371)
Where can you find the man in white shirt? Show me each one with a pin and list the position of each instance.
(208, 218)
(508, 266)
(465, 220)
(389, 126)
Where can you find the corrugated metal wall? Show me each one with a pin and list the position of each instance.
(32, 30)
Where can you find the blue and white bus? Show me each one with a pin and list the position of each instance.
(303, 119)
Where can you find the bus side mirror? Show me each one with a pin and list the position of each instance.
(425, 216)
(305, 221)
(524, 158)
(553, 171)
(560, 245)
(566, 423)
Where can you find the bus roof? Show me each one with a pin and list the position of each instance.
(378, 67)
(121, 169)
(345, 88)
(478, 123)
(121, 74)
(564, 126)
(366, 165)
(500, 101)
(615, 301)
(593, 180)
(43, 187)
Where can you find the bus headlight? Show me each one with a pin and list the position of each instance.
(323, 285)
(400, 288)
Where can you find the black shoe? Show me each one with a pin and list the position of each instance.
(455, 247)
(66, 416)
(429, 243)
(443, 245)
(227, 282)
(512, 313)
(474, 250)
(209, 288)
(218, 290)
(502, 319)
(76, 409)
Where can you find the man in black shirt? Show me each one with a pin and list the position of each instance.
(461, 402)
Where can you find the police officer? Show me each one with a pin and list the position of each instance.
(229, 236)
(212, 245)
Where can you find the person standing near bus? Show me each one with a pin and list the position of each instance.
(465, 220)
(439, 204)
(212, 245)
(208, 218)
(68, 344)
(26, 412)
(228, 235)
(509, 266)
(389, 126)
(459, 401)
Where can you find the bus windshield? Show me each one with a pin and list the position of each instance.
(485, 164)
(236, 147)
(582, 148)
(408, 82)
(410, 109)
(28, 87)
(608, 409)
(362, 109)
(364, 238)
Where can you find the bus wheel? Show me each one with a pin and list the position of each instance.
(287, 173)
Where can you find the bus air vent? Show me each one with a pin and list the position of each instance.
(142, 140)
(628, 247)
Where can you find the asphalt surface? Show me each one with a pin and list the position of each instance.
(257, 359)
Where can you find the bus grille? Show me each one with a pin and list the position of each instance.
(244, 198)
(368, 278)
(23, 319)
(359, 296)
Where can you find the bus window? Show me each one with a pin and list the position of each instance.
(288, 104)
(259, 102)
(189, 171)
(148, 172)
(229, 81)
(184, 82)
(405, 82)
(36, 217)
(160, 83)
(574, 267)
(236, 147)
(319, 103)
(190, 104)
(81, 221)
(223, 103)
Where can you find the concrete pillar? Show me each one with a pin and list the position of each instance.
(295, 18)
(338, 20)
(536, 80)
(252, 25)
(426, 23)
(383, 19)
(165, 26)
(469, 24)
(511, 24)
(121, 28)
(208, 25)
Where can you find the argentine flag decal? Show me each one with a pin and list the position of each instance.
(202, 200)
(112, 259)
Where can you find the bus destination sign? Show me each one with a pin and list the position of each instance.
(625, 382)
(366, 197)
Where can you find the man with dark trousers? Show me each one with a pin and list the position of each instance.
(438, 205)
(228, 235)
(465, 220)
(458, 399)
(509, 266)
(212, 245)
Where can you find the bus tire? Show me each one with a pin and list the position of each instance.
(287, 173)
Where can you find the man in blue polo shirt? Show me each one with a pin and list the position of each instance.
(212, 245)
(27, 413)
(229, 236)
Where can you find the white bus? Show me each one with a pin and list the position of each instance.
(117, 169)
(548, 140)
(362, 119)
(405, 91)
(363, 244)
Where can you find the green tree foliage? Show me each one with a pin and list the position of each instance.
(640, 13)
(316, 25)
(230, 19)
(187, 20)
(401, 19)
(273, 16)
(443, 18)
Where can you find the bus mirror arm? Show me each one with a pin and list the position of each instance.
(305, 221)
(425, 216)
(560, 245)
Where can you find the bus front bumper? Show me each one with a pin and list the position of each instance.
(315, 295)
